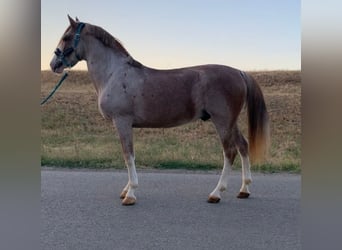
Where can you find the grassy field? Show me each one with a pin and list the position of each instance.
(74, 134)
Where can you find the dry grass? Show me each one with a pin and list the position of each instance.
(74, 134)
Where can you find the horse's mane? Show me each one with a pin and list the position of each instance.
(107, 39)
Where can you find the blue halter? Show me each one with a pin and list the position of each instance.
(63, 54)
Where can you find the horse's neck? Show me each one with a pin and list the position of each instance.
(103, 63)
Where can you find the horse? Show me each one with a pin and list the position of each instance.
(132, 95)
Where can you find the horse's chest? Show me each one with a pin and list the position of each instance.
(112, 104)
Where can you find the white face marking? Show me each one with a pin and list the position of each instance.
(55, 64)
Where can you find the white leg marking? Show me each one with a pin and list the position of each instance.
(132, 178)
(124, 128)
(223, 181)
(246, 174)
(124, 191)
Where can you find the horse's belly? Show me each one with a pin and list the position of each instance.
(163, 118)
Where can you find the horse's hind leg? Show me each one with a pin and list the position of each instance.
(229, 153)
(242, 146)
(124, 128)
(215, 195)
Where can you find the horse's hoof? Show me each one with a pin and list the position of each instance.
(243, 195)
(214, 199)
(128, 201)
(123, 194)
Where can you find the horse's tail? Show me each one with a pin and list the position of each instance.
(258, 121)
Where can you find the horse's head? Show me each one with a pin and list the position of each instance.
(69, 48)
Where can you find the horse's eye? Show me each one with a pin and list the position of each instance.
(66, 38)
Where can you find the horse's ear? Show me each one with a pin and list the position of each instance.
(77, 19)
(73, 24)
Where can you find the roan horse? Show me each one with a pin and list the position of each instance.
(133, 95)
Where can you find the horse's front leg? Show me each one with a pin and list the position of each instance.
(125, 131)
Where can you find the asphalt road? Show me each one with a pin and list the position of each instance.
(82, 210)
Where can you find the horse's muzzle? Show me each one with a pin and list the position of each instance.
(56, 66)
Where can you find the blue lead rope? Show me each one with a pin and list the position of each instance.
(55, 88)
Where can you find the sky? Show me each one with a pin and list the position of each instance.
(245, 34)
